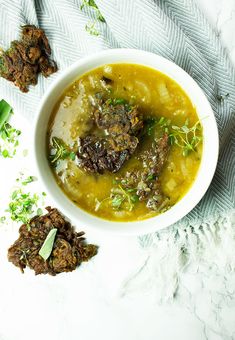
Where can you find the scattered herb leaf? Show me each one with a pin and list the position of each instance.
(187, 138)
(151, 177)
(117, 201)
(92, 4)
(134, 198)
(28, 180)
(5, 153)
(39, 211)
(2, 219)
(47, 246)
(122, 198)
(22, 206)
(90, 27)
(72, 156)
(60, 150)
(119, 101)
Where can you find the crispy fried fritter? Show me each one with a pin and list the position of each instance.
(26, 58)
(69, 248)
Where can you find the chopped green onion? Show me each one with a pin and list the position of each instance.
(5, 111)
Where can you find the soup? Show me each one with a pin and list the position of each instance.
(124, 142)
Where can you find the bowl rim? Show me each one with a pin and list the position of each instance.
(87, 221)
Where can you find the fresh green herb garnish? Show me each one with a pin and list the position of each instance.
(28, 180)
(164, 123)
(116, 101)
(120, 198)
(149, 126)
(47, 246)
(185, 137)
(39, 212)
(117, 201)
(2, 219)
(92, 4)
(151, 177)
(8, 134)
(90, 27)
(60, 150)
(134, 198)
(123, 198)
(119, 101)
(22, 206)
(25, 180)
(72, 156)
(5, 154)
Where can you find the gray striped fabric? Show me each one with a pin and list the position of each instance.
(175, 29)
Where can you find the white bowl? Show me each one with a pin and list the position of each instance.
(84, 220)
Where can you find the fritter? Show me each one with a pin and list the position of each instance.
(26, 58)
(69, 248)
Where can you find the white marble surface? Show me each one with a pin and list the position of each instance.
(96, 301)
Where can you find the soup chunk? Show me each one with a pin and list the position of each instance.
(120, 123)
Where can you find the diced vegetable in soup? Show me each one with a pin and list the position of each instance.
(124, 142)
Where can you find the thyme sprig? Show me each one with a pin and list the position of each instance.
(121, 198)
(92, 4)
(185, 137)
(60, 151)
(91, 26)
